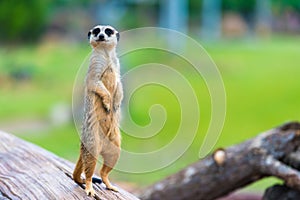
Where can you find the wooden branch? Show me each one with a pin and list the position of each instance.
(282, 191)
(235, 167)
(30, 172)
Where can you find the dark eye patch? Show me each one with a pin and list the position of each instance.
(89, 34)
(109, 32)
(96, 31)
(118, 36)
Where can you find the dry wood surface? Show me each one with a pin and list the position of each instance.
(30, 172)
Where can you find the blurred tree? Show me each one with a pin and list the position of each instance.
(263, 16)
(22, 21)
(211, 19)
(174, 14)
(246, 9)
(283, 4)
(108, 9)
(243, 7)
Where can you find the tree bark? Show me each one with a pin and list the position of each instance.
(235, 167)
(30, 172)
(283, 192)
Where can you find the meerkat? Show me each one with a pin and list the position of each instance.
(103, 95)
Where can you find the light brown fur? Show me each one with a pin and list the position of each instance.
(100, 130)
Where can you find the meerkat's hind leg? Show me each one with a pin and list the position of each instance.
(104, 174)
(89, 168)
(78, 170)
(109, 162)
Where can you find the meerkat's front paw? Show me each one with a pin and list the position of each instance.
(106, 103)
(106, 107)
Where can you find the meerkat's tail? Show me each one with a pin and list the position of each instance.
(97, 180)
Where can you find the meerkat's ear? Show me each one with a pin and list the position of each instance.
(118, 36)
(89, 35)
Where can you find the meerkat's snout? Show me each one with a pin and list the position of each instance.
(101, 37)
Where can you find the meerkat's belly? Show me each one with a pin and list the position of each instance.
(109, 80)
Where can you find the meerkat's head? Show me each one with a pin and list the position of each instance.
(103, 37)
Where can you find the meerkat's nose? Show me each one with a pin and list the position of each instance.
(101, 37)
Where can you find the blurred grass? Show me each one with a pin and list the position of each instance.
(55, 67)
(261, 80)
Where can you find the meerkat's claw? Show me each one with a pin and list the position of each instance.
(90, 192)
(106, 107)
(107, 110)
(113, 188)
(106, 101)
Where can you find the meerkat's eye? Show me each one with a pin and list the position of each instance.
(109, 32)
(96, 31)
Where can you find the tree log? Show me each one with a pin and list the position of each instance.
(284, 192)
(235, 167)
(30, 172)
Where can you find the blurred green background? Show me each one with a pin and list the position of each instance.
(255, 45)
